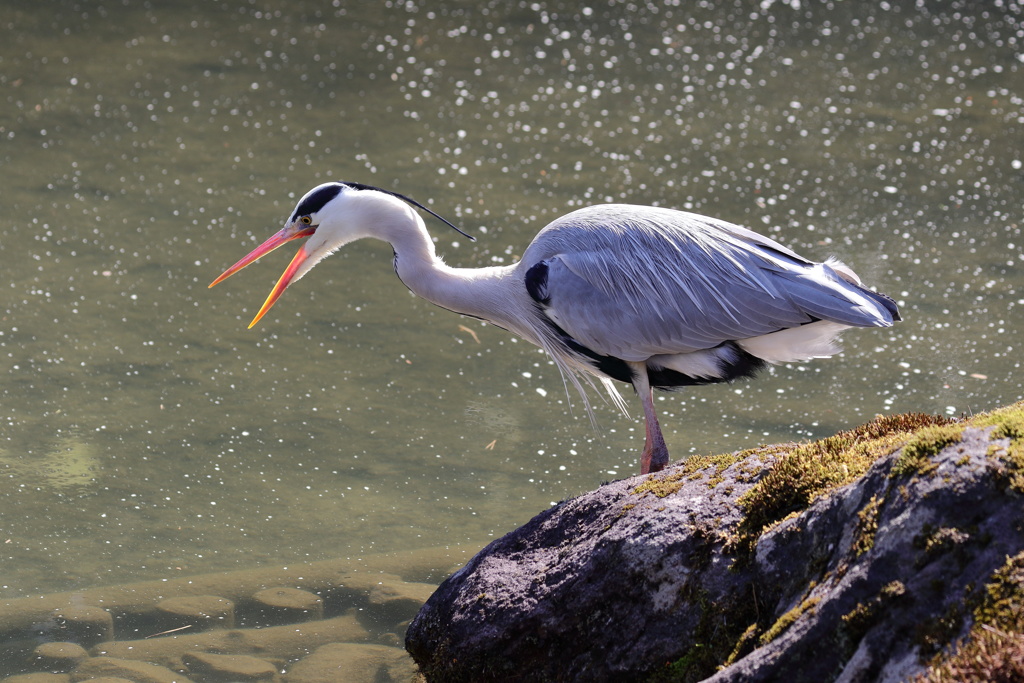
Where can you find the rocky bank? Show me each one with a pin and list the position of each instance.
(890, 552)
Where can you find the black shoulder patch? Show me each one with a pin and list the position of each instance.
(536, 282)
(316, 200)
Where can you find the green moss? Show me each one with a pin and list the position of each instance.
(925, 444)
(994, 647)
(862, 617)
(935, 541)
(867, 526)
(787, 620)
(1003, 604)
(695, 467)
(661, 486)
(813, 469)
(745, 644)
(1008, 424)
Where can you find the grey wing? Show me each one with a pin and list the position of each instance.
(633, 282)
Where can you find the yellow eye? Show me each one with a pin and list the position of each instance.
(306, 220)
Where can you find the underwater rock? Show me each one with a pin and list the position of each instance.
(59, 657)
(41, 678)
(279, 616)
(353, 663)
(286, 642)
(80, 624)
(139, 672)
(285, 605)
(214, 668)
(85, 615)
(860, 557)
(393, 600)
(198, 612)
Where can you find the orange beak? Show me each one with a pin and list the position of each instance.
(287, 234)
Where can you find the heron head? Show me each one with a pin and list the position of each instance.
(304, 221)
(330, 215)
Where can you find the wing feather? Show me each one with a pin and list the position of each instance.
(632, 282)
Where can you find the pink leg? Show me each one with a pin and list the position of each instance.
(654, 457)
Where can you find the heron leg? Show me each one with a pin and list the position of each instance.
(654, 457)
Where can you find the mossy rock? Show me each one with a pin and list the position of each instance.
(807, 472)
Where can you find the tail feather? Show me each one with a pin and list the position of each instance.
(814, 340)
(846, 273)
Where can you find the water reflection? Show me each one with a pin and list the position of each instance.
(146, 148)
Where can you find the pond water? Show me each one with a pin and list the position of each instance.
(145, 147)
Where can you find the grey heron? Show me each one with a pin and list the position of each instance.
(653, 297)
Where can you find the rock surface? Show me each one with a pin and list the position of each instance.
(861, 557)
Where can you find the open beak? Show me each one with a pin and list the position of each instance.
(287, 234)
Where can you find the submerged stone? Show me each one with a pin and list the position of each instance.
(139, 672)
(353, 663)
(285, 605)
(214, 668)
(58, 657)
(199, 612)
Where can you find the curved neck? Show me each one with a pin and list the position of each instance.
(478, 292)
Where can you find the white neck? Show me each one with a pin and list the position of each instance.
(479, 292)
